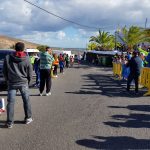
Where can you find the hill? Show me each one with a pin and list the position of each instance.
(8, 42)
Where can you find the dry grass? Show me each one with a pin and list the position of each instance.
(8, 42)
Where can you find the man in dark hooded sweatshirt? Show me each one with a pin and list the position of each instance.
(135, 65)
(17, 71)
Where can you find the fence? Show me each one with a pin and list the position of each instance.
(144, 78)
(117, 69)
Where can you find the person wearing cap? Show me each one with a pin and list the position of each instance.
(135, 65)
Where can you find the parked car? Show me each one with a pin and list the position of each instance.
(3, 53)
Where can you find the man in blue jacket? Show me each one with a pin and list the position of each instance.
(135, 65)
(147, 58)
(17, 71)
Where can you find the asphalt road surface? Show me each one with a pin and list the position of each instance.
(88, 109)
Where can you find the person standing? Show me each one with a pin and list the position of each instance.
(32, 59)
(61, 63)
(79, 59)
(135, 65)
(71, 61)
(37, 70)
(46, 61)
(17, 71)
(67, 61)
(56, 63)
(148, 60)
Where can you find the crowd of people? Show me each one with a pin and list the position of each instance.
(18, 71)
(60, 61)
(131, 66)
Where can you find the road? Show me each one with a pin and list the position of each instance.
(88, 109)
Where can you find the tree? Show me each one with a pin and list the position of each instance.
(146, 35)
(132, 36)
(12, 47)
(42, 48)
(92, 46)
(103, 40)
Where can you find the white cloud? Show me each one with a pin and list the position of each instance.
(136, 14)
(97, 13)
(61, 35)
(51, 39)
(82, 32)
(15, 12)
(18, 18)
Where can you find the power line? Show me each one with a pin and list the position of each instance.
(85, 26)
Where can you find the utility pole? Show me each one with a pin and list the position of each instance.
(115, 40)
(146, 23)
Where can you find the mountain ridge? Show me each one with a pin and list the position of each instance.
(7, 42)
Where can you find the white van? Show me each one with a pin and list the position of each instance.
(32, 52)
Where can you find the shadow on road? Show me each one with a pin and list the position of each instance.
(145, 108)
(115, 143)
(105, 85)
(3, 123)
(133, 120)
(83, 92)
(130, 121)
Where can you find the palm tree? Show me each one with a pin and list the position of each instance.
(92, 46)
(132, 36)
(146, 35)
(103, 40)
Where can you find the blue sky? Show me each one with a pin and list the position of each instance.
(22, 20)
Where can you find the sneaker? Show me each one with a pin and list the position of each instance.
(40, 94)
(48, 94)
(9, 125)
(28, 121)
